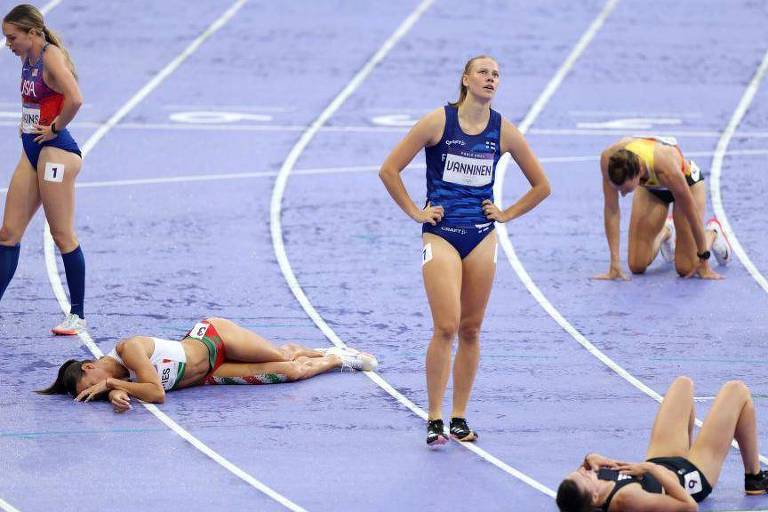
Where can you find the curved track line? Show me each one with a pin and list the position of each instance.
(282, 257)
(717, 166)
(61, 296)
(506, 243)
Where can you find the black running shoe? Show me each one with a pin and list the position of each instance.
(435, 433)
(756, 484)
(461, 431)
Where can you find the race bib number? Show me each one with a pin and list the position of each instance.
(199, 331)
(54, 172)
(426, 254)
(30, 117)
(695, 171)
(168, 371)
(468, 171)
(693, 482)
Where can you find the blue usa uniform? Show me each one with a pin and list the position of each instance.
(461, 170)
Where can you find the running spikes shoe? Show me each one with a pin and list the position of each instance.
(71, 326)
(668, 245)
(461, 431)
(756, 484)
(352, 359)
(436, 434)
(721, 248)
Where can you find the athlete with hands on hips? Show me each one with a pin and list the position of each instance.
(463, 142)
(50, 160)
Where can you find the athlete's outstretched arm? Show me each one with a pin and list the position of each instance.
(427, 132)
(514, 142)
(611, 220)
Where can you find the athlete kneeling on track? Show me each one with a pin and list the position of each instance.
(215, 351)
(656, 171)
(679, 471)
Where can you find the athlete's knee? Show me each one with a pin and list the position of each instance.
(10, 236)
(683, 381)
(636, 266)
(446, 330)
(684, 268)
(737, 387)
(65, 239)
(469, 332)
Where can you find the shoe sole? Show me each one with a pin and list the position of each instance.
(64, 333)
(718, 229)
(756, 493)
(470, 438)
(437, 443)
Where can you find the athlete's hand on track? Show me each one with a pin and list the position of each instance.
(121, 401)
(613, 274)
(492, 212)
(88, 394)
(704, 271)
(431, 214)
(44, 134)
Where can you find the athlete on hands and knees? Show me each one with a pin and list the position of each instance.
(463, 142)
(215, 351)
(655, 169)
(679, 471)
(50, 160)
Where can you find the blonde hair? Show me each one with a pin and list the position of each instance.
(29, 19)
(467, 69)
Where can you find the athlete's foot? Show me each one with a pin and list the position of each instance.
(71, 326)
(461, 431)
(756, 484)
(352, 359)
(436, 434)
(721, 248)
(668, 244)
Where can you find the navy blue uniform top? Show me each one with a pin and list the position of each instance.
(461, 169)
(646, 481)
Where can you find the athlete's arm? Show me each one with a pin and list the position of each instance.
(427, 132)
(147, 386)
(611, 219)
(635, 499)
(62, 81)
(514, 142)
(595, 461)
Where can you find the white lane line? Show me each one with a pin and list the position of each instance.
(506, 243)
(4, 505)
(189, 178)
(717, 168)
(7, 507)
(279, 244)
(244, 127)
(58, 288)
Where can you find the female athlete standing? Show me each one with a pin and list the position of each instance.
(50, 160)
(463, 142)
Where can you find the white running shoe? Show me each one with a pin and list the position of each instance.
(352, 359)
(721, 248)
(71, 326)
(668, 245)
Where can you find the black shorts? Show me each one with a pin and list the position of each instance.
(666, 196)
(692, 480)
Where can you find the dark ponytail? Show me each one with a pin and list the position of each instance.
(69, 375)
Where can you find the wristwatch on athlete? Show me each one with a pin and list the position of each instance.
(703, 256)
(53, 127)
